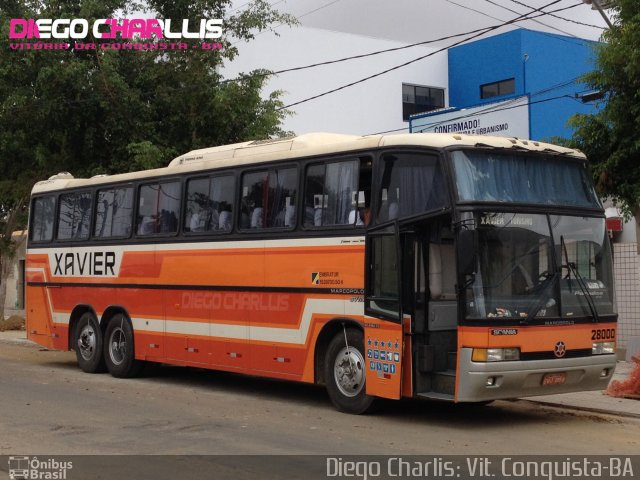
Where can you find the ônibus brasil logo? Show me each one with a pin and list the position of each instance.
(112, 28)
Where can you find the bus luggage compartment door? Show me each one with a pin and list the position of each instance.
(383, 357)
(383, 313)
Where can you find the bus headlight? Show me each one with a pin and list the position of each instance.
(495, 354)
(603, 348)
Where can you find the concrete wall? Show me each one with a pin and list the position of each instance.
(626, 264)
(14, 302)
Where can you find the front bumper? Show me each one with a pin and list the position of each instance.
(524, 378)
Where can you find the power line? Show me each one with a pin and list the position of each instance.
(496, 18)
(474, 10)
(577, 22)
(537, 21)
(488, 29)
(328, 4)
(363, 55)
(426, 42)
(480, 31)
(248, 3)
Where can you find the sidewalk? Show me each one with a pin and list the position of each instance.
(596, 401)
(15, 336)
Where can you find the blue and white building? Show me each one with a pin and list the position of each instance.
(522, 83)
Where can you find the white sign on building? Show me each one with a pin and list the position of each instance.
(509, 118)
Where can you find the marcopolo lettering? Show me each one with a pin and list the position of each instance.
(86, 263)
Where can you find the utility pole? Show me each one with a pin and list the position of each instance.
(600, 6)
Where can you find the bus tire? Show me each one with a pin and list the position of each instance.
(88, 344)
(345, 373)
(119, 348)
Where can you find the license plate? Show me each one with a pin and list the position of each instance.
(554, 378)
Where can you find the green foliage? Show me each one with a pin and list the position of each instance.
(611, 138)
(106, 111)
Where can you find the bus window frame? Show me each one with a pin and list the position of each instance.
(55, 218)
(372, 155)
(269, 168)
(159, 181)
(208, 175)
(450, 195)
(113, 186)
(73, 191)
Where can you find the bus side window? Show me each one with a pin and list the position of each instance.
(42, 215)
(223, 192)
(329, 193)
(253, 193)
(411, 183)
(74, 216)
(209, 203)
(114, 212)
(269, 199)
(158, 208)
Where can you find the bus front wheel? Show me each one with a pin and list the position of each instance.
(88, 344)
(119, 352)
(345, 372)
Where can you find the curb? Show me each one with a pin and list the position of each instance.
(614, 413)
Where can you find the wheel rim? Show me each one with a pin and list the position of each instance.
(87, 342)
(348, 371)
(117, 346)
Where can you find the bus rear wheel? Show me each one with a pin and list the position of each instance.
(345, 373)
(88, 344)
(119, 351)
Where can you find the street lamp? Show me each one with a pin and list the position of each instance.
(600, 6)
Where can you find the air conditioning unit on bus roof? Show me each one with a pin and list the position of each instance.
(61, 176)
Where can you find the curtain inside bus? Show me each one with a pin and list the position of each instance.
(514, 177)
(411, 183)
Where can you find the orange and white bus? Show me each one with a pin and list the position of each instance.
(441, 266)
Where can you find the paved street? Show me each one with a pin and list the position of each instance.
(50, 407)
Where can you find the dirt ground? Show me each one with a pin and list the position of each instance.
(14, 322)
(55, 408)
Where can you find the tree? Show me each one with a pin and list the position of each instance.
(108, 111)
(611, 137)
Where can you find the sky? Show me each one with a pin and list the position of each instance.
(332, 29)
(411, 20)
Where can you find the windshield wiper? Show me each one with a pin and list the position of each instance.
(571, 266)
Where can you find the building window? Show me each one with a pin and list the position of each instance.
(497, 89)
(419, 99)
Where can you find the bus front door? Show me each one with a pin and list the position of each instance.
(430, 298)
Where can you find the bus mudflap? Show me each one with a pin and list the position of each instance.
(383, 356)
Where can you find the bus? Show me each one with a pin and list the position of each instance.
(440, 266)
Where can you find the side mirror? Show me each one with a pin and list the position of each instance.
(467, 251)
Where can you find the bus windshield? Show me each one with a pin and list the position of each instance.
(496, 176)
(536, 265)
